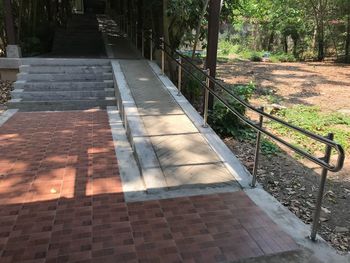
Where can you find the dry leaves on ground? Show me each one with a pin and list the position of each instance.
(296, 187)
(5, 91)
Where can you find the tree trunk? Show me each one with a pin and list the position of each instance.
(347, 44)
(320, 42)
(285, 44)
(20, 12)
(204, 10)
(49, 12)
(166, 36)
(34, 17)
(271, 39)
(295, 46)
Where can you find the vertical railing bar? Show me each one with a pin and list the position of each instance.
(179, 81)
(316, 219)
(151, 45)
(136, 36)
(162, 46)
(143, 43)
(257, 151)
(206, 99)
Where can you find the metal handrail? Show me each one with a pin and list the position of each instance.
(320, 161)
(323, 162)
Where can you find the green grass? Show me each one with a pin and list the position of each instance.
(312, 119)
(226, 48)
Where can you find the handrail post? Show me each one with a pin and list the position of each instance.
(206, 98)
(136, 36)
(179, 80)
(143, 43)
(257, 151)
(127, 26)
(316, 219)
(162, 46)
(151, 44)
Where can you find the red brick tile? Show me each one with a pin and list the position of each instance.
(62, 201)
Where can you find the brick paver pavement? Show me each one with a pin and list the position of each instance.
(61, 200)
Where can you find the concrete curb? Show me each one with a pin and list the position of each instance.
(133, 186)
(293, 226)
(7, 115)
(144, 152)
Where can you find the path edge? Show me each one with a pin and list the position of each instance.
(8, 114)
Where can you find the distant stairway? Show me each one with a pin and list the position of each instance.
(63, 84)
(80, 38)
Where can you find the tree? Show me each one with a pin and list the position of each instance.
(198, 31)
(2, 30)
(320, 10)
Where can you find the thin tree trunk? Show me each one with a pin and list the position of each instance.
(320, 42)
(295, 46)
(347, 44)
(20, 12)
(198, 31)
(285, 44)
(166, 35)
(34, 17)
(271, 39)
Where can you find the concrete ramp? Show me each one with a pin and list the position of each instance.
(181, 156)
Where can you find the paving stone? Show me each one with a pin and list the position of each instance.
(87, 218)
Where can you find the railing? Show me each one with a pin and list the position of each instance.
(328, 142)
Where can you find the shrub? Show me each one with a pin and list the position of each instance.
(222, 120)
(192, 89)
(226, 48)
(282, 57)
(255, 57)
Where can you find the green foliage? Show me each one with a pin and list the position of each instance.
(256, 57)
(192, 89)
(267, 147)
(222, 120)
(312, 119)
(272, 99)
(227, 48)
(282, 57)
(306, 29)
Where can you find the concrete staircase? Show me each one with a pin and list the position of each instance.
(80, 38)
(63, 84)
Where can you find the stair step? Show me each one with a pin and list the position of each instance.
(63, 86)
(45, 84)
(65, 62)
(61, 95)
(65, 69)
(64, 77)
(60, 105)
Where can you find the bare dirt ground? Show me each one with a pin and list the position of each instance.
(295, 182)
(323, 84)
